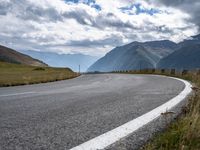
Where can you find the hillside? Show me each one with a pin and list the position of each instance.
(17, 74)
(187, 57)
(12, 56)
(191, 41)
(63, 60)
(134, 56)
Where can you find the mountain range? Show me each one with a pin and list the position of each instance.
(133, 56)
(12, 56)
(152, 54)
(64, 60)
(187, 56)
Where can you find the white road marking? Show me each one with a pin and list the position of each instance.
(110, 137)
(15, 94)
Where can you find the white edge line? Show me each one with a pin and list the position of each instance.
(15, 94)
(110, 137)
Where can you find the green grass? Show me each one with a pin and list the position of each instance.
(184, 133)
(15, 74)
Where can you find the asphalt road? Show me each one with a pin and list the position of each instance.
(64, 114)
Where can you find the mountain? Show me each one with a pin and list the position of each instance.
(196, 37)
(64, 60)
(191, 41)
(12, 56)
(134, 56)
(186, 57)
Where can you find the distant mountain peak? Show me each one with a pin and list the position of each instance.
(64, 60)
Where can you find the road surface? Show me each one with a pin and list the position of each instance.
(65, 114)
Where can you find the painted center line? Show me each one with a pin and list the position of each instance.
(15, 94)
(110, 137)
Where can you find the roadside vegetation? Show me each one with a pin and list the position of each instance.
(183, 133)
(16, 74)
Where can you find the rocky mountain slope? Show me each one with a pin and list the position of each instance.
(135, 55)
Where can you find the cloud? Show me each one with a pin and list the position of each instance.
(91, 26)
(192, 7)
(107, 41)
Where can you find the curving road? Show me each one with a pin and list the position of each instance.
(64, 114)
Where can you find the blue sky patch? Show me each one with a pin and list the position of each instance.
(91, 3)
(72, 1)
(139, 10)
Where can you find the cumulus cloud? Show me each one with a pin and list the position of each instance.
(92, 26)
(192, 7)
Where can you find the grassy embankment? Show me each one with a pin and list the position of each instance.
(184, 133)
(15, 74)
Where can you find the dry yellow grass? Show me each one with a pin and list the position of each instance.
(15, 74)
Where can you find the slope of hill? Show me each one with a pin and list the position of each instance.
(187, 57)
(196, 37)
(189, 42)
(12, 56)
(18, 74)
(134, 56)
(64, 60)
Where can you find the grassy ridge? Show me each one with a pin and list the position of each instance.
(15, 74)
(184, 133)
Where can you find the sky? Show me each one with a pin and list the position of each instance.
(94, 27)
